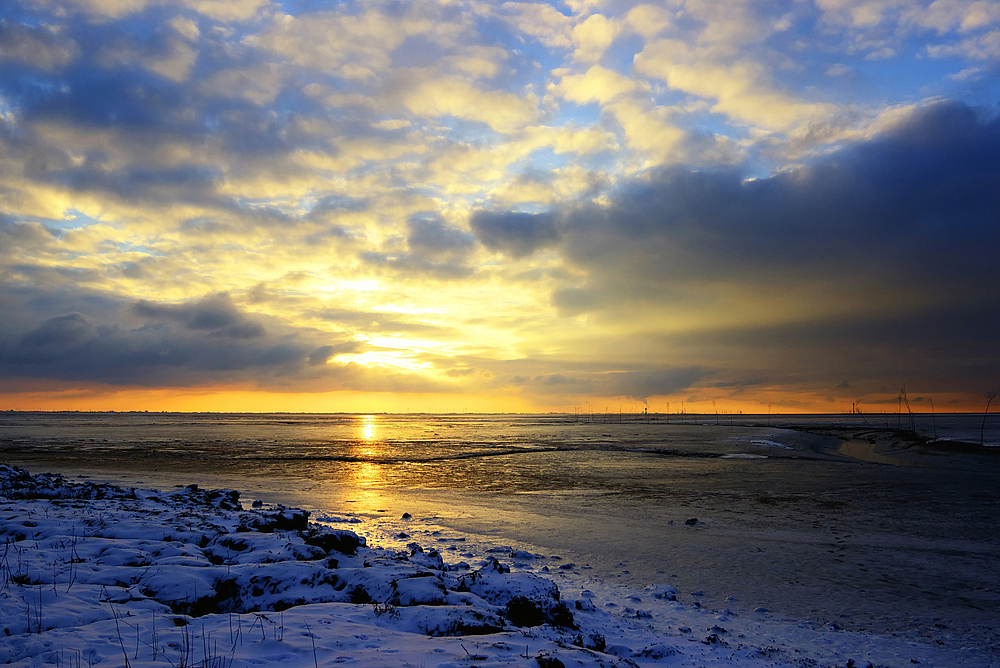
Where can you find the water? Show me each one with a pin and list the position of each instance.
(786, 520)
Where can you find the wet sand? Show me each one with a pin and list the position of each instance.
(859, 552)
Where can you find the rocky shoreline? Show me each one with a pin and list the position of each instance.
(99, 574)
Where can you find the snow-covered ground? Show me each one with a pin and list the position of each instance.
(101, 575)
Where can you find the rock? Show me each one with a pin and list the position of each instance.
(333, 540)
(424, 589)
(658, 651)
(621, 651)
(496, 584)
(522, 611)
(282, 520)
(665, 592)
(547, 661)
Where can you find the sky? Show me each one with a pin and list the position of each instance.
(587, 205)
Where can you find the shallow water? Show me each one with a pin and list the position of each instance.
(798, 527)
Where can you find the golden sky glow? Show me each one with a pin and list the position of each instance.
(462, 206)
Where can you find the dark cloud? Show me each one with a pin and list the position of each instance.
(413, 264)
(904, 229)
(36, 47)
(514, 233)
(557, 379)
(432, 236)
(19, 235)
(324, 354)
(641, 385)
(60, 331)
(92, 338)
(951, 349)
(912, 209)
(566, 379)
(215, 313)
(435, 249)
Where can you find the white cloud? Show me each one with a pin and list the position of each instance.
(945, 15)
(741, 89)
(597, 84)
(353, 47)
(593, 36)
(230, 10)
(259, 84)
(647, 131)
(981, 47)
(185, 27)
(541, 21)
(502, 111)
(40, 47)
(648, 20)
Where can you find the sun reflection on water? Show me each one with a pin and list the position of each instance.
(368, 428)
(367, 475)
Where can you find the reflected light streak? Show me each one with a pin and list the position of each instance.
(367, 477)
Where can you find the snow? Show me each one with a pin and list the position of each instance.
(769, 444)
(100, 575)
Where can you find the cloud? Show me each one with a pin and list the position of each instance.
(593, 36)
(648, 131)
(59, 331)
(102, 9)
(209, 341)
(641, 385)
(597, 84)
(451, 96)
(514, 233)
(539, 20)
(741, 89)
(36, 46)
(434, 248)
(945, 15)
(432, 236)
(230, 10)
(900, 228)
(648, 20)
(259, 84)
(344, 44)
(216, 314)
(981, 47)
(324, 354)
(149, 344)
(935, 172)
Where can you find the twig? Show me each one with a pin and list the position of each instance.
(313, 639)
(119, 630)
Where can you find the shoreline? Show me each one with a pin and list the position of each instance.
(898, 447)
(813, 535)
(638, 626)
